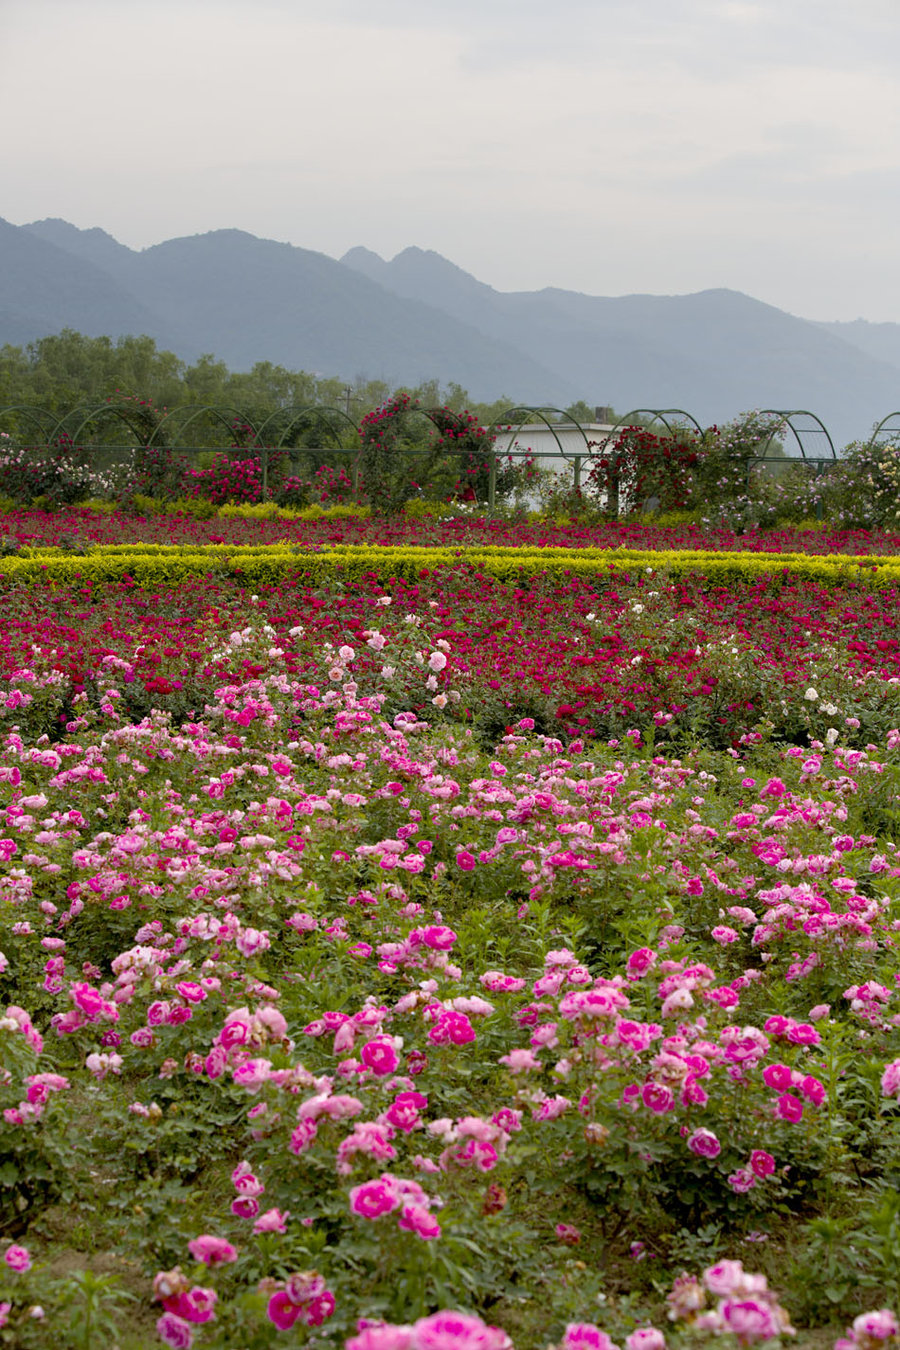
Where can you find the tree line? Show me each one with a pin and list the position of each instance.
(68, 369)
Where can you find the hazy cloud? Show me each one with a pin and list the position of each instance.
(603, 145)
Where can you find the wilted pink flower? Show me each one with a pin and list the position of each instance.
(212, 1251)
(586, 1336)
(750, 1319)
(877, 1326)
(645, 1338)
(456, 1331)
(273, 1221)
(890, 1079)
(416, 1219)
(175, 1331)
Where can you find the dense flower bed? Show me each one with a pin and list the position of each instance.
(582, 656)
(89, 527)
(381, 955)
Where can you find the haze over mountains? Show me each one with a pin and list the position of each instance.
(715, 353)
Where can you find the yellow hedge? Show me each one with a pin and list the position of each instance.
(168, 564)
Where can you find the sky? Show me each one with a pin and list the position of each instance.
(604, 146)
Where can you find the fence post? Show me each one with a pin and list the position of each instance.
(354, 476)
(577, 473)
(264, 457)
(492, 482)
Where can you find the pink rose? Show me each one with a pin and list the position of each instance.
(380, 1336)
(657, 1098)
(762, 1163)
(451, 1027)
(282, 1311)
(379, 1056)
(890, 1079)
(456, 1331)
(704, 1143)
(245, 1207)
(777, 1076)
(788, 1107)
(750, 1320)
(374, 1198)
(18, 1259)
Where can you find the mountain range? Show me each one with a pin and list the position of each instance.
(714, 353)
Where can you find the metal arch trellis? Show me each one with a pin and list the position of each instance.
(673, 419)
(785, 421)
(39, 417)
(298, 414)
(667, 416)
(218, 411)
(503, 422)
(883, 427)
(94, 413)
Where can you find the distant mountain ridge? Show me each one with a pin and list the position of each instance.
(715, 353)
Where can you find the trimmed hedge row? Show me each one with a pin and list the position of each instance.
(155, 564)
(552, 554)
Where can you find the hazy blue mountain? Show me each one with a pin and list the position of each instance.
(95, 245)
(881, 340)
(44, 288)
(715, 353)
(249, 299)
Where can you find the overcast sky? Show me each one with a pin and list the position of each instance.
(607, 146)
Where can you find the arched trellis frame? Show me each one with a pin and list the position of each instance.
(398, 412)
(294, 418)
(543, 414)
(289, 422)
(884, 428)
(172, 427)
(783, 420)
(48, 424)
(76, 423)
(672, 419)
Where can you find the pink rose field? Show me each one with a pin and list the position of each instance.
(445, 961)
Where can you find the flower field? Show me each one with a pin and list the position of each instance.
(264, 524)
(444, 961)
